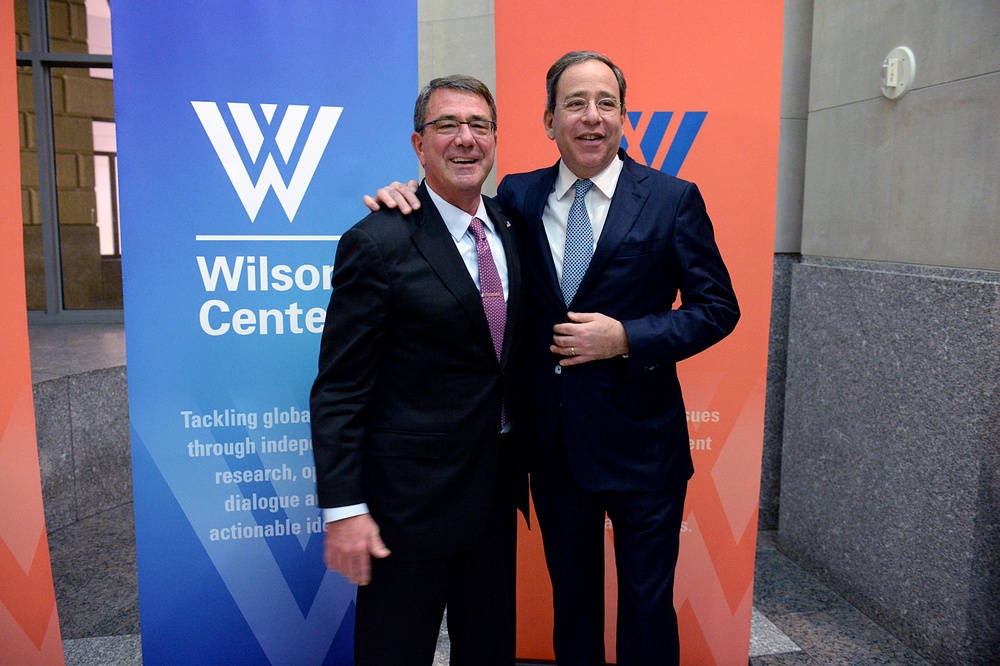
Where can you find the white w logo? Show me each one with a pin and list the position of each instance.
(250, 193)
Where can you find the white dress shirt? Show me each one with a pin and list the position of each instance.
(457, 221)
(598, 201)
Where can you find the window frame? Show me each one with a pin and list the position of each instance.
(41, 59)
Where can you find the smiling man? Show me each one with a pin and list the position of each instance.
(607, 246)
(412, 406)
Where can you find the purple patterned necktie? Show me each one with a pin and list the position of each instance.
(490, 286)
(492, 292)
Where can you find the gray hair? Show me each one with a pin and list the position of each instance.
(459, 82)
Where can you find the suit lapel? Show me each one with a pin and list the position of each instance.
(438, 247)
(535, 201)
(629, 198)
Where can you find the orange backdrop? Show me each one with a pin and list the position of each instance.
(722, 59)
(29, 625)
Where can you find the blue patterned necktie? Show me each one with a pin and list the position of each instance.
(579, 242)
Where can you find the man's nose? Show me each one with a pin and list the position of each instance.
(591, 114)
(465, 136)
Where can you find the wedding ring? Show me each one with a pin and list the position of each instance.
(572, 351)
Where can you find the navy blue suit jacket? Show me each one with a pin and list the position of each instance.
(622, 419)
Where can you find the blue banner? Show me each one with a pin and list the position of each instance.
(247, 133)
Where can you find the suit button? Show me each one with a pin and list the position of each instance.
(558, 369)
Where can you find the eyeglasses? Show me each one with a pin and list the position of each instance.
(452, 126)
(578, 105)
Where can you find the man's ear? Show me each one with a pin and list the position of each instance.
(548, 119)
(417, 139)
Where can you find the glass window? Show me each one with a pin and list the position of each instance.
(83, 122)
(68, 159)
(22, 26)
(99, 28)
(106, 188)
(80, 26)
(31, 209)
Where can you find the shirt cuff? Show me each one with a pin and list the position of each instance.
(342, 512)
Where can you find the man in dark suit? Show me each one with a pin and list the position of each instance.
(604, 406)
(411, 408)
(607, 245)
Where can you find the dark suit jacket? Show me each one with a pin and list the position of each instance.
(406, 405)
(623, 419)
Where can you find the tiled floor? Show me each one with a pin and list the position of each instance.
(826, 629)
(69, 349)
(796, 619)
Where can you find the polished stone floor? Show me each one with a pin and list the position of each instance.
(797, 621)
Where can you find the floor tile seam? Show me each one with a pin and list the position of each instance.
(882, 634)
(41, 376)
(62, 373)
(65, 398)
(842, 603)
(76, 523)
(800, 650)
(72, 454)
(889, 637)
(90, 366)
(817, 584)
(810, 652)
(798, 647)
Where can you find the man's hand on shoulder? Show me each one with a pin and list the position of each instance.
(350, 544)
(588, 336)
(395, 195)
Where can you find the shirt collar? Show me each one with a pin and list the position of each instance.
(605, 181)
(456, 219)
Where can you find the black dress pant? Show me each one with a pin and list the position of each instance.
(646, 540)
(399, 613)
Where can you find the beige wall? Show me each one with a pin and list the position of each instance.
(912, 180)
(456, 37)
(796, 50)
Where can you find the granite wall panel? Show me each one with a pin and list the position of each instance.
(889, 474)
(774, 408)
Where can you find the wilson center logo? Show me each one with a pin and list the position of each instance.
(285, 137)
(650, 129)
